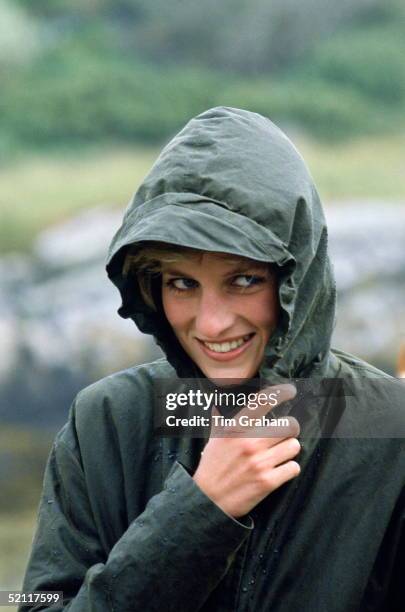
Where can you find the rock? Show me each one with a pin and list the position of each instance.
(367, 248)
(366, 242)
(83, 238)
(60, 330)
(59, 323)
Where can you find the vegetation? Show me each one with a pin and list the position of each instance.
(23, 455)
(41, 190)
(129, 71)
(91, 88)
(16, 532)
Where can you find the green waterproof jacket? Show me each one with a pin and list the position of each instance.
(122, 525)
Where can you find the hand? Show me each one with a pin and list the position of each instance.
(237, 471)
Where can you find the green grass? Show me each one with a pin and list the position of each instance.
(370, 168)
(39, 191)
(16, 533)
(24, 452)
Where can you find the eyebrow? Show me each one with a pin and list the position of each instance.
(245, 266)
(236, 268)
(175, 272)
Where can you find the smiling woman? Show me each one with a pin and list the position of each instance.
(225, 318)
(221, 308)
(222, 257)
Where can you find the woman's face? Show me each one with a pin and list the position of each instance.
(223, 310)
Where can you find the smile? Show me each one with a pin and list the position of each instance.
(226, 350)
(225, 347)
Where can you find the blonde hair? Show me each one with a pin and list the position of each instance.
(145, 263)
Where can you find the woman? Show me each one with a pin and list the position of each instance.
(222, 256)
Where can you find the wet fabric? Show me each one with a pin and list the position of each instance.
(232, 182)
(122, 526)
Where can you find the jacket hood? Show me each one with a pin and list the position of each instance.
(231, 181)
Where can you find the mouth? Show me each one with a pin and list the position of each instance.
(223, 351)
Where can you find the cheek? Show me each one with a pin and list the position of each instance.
(175, 310)
(265, 312)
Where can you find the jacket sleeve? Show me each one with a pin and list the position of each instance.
(170, 558)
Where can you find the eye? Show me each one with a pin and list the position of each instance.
(245, 281)
(181, 284)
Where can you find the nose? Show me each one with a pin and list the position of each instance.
(214, 315)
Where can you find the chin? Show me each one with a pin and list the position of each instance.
(231, 373)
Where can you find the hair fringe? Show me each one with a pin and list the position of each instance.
(144, 262)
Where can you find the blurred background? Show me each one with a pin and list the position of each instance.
(90, 91)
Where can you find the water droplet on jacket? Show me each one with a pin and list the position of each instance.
(264, 571)
(252, 581)
(50, 501)
(244, 589)
(261, 556)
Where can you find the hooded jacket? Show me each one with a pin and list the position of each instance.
(122, 525)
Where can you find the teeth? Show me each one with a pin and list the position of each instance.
(225, 347)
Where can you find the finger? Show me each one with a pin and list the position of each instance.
(279, 429)
(268, 435)
(267, 399)
(283, 473)
(244, 426)
(280, 452)
(287, 392)
(245, 423)
(225, 428)
(215, 411)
